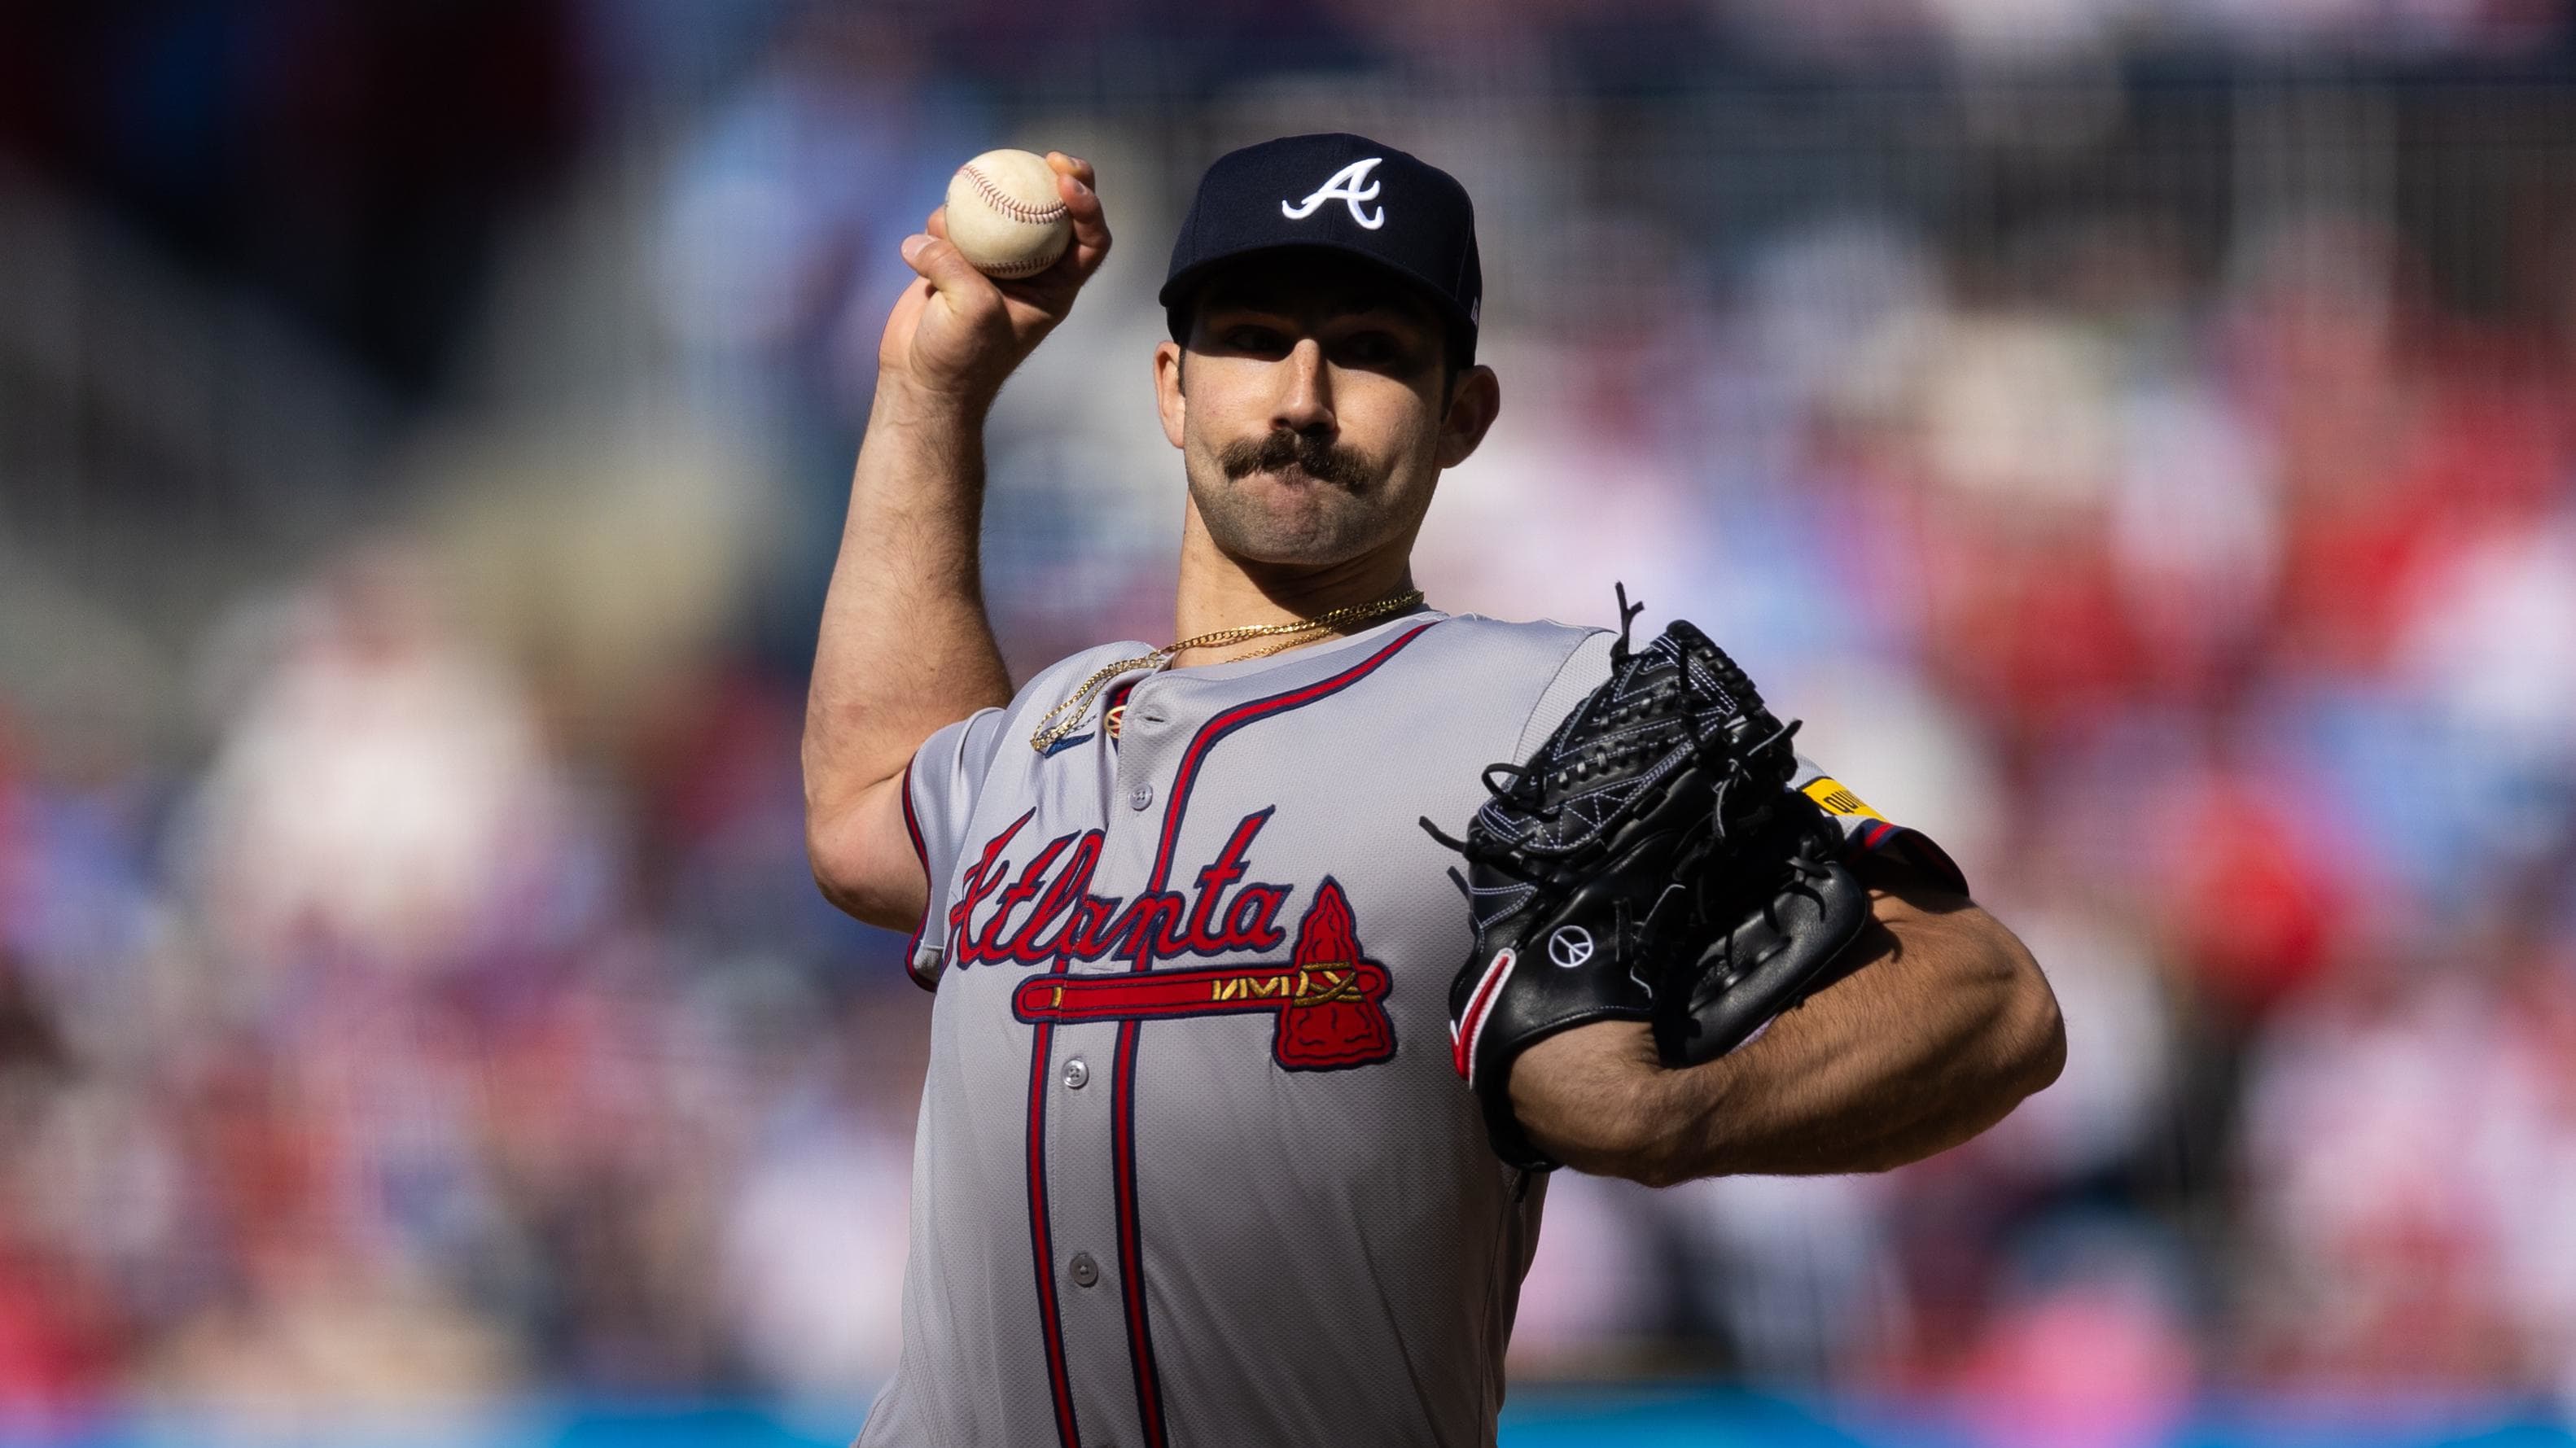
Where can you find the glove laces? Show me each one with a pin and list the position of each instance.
(1521, 786)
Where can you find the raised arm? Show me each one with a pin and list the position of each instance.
(905, 647)
(1944, 1026)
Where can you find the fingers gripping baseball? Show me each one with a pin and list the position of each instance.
(957, 333)
(950, 336)
(1082, 206)
(948, 271)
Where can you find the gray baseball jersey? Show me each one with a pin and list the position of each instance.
(1194, 1163)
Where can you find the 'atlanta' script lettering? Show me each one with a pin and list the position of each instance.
(1044, 908)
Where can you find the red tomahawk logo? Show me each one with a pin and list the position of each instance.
(1330, 1001)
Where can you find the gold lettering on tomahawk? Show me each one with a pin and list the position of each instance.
(1322, 985)
(1309, 985)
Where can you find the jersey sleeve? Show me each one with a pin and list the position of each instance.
(1865, 831)
(939, 793)
(1586, 668)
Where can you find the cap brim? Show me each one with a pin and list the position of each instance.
(1177, 290)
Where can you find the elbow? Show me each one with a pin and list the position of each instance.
(2020, 1052)
(837, 873)
(2030, 1035)
(2046, 1058)
(854, 877)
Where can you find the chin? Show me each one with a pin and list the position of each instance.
(1290, 518)
(1291, 549)
(1291, 537)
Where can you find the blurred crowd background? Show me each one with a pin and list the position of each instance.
(2138, 435)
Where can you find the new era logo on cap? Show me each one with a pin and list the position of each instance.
(1342, 193)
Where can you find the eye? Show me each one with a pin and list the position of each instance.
(1372, 348)
(1254, 338)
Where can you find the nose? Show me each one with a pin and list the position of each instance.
(1305, 402)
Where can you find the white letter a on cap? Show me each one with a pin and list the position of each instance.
(1345, 187)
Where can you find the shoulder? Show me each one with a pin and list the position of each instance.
(1510, 674)
(970, 744)
(1557, 662)
(1057, 682)
(1536, 649)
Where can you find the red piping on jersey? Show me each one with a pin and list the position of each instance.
(1235, 718)
(1041, 1239)
(1131, 1247)
(1041, 1236)
(1131, 1276)
(1041, 1244)
(930, 887)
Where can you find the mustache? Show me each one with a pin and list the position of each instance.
(1320, 457)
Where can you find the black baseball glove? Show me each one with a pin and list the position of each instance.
(1649, 862)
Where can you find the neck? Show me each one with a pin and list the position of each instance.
(1219, 590)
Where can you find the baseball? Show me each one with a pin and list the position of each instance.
(1004, 215)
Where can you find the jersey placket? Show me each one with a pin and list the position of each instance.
(1097, 1237)
(1172, 725)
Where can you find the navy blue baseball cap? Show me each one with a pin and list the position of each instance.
(1336, 192)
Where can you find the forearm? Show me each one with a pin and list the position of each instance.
(1944, 1027)
(904, 647)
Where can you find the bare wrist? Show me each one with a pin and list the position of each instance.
(904, 403)
(1596, 1098)
(1671, 1119)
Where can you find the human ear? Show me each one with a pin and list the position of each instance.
(1169, 400)
(1473, 405)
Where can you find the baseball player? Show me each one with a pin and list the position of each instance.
(1195, 1163)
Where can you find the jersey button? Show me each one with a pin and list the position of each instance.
(1075, 1073)
(1141, 796)
(1085, 1271)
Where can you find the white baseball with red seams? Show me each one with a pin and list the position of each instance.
(1005, 216)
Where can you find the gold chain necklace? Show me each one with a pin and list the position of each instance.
(1064, 718)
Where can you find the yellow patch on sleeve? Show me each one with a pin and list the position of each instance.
(1829, 792)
